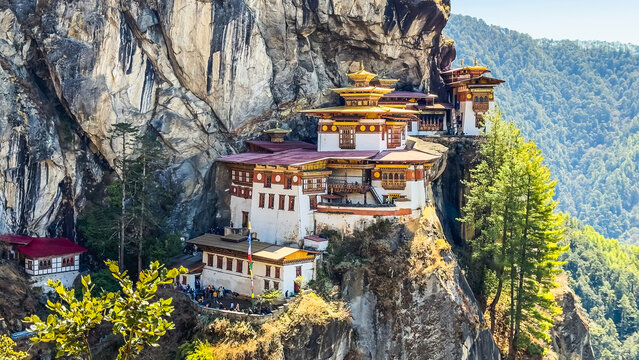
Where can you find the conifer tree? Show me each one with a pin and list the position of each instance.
(510, 204)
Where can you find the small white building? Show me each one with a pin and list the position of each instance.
(193, 265)
(46, 258)
(225, 259)
(315, 243)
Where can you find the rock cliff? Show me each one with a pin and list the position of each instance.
(202, 75)
(412, 302)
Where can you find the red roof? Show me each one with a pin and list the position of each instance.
(296, 157)
(315, 238)
(42, 247)
(282, 146)
(16, 239)
(408, 94)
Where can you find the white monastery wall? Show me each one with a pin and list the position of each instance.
(237, 206)
(274, 225)
(67, 278)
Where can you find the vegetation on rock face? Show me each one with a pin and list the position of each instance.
(605, 274)
(135, 208)
(235, 340)
(511, 207)
(577, 101)
(131, 311)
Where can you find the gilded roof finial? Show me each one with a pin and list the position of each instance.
(475, 60)
(361, 65)
(462, 63)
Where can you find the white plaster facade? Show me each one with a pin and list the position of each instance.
(240, 282)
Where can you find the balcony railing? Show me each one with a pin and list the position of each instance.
(343, 204)
(347, 188)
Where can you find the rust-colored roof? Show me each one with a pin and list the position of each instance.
(42, 247)
(281, 146)
(412, 156)
(295, 157)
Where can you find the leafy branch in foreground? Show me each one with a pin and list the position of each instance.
(131, 311)
(7, 351)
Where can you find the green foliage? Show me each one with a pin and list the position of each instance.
(72, 319)
(605, 274)
(268, 297)
(7, 351)
(131, 311)
(510, 204)
(578, 102)
(133, 315)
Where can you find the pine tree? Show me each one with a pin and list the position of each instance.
(510, 205)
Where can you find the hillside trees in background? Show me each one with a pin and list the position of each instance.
(130, 222)
(511, 206)
(605, 276)
(578, 102)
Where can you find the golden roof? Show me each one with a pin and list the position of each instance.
(360, 110)
(362, 76)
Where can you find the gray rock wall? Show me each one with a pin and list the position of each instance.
(203, 75)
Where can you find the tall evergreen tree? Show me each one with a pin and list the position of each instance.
(510, 205)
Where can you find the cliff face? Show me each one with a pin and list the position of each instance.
(412, 301)
(202, 75)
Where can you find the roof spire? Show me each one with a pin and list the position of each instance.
(462, 63)
(475, 60)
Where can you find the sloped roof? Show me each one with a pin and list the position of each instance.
(258, 248)
(281, 146)
(16, 239)
(43, 247)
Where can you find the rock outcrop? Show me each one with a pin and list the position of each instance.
(202, 75)
(571, 333)
(412, 302)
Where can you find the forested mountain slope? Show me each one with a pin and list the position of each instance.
(605, 274)
(579, 101)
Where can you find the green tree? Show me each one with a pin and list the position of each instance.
(7, 349)
(510, 205)
(132, 311)
(126, 134)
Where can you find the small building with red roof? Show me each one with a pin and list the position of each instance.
(44, 258)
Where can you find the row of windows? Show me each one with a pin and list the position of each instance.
(281, 204)
(267, 285)
(314, 185)
(268, 180)
(242, 176)
(226, 263)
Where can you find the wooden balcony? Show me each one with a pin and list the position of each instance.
(347, 188)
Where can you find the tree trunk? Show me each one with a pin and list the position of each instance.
(520, 285)
(122, 215)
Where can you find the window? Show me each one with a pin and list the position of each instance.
(266, 285)
(394, 136)
(394, 179)
(183, 279)
(68, 261)
(268, 271)
(29, 264)
(44, 264)
(267, 180)
(271, 201)
(239, 265)
(220, 261)
(314, 185)
(288, 183)
(229, 264)
(276, 285)
(347, 137)
(262, 196)
(298, 271)
(282, 197)
(277, 272)
(209, 259)
(313, 201)
(245, 219)
(291, 203)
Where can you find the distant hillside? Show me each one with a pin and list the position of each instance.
(579, 101)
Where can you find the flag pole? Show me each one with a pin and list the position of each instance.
(250, 261)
